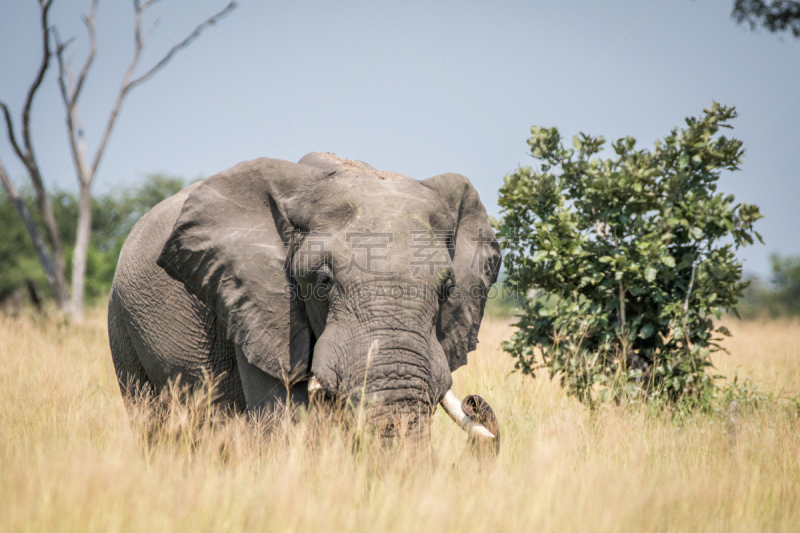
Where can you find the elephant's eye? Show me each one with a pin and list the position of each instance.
(323, 278)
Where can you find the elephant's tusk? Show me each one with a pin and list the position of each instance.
(452, 406)
(314, 384)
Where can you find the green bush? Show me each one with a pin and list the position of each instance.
(630, 247)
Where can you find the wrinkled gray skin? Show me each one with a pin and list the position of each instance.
(203, 282)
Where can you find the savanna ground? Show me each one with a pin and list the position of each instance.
(70, 460)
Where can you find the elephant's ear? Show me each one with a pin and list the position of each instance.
(228, 248)
(476, 261)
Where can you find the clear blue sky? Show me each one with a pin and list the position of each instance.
(418, 87)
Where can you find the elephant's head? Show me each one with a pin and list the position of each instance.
(370, 283)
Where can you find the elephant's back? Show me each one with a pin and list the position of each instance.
(171, 330)
(137, 259)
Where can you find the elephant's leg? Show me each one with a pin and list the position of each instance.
(263, 392)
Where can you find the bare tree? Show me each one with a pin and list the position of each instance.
(53, 267)
(85, 165)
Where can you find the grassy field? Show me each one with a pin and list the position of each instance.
(70, 461)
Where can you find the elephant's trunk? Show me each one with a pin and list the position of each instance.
(452, 406)
(388, 402)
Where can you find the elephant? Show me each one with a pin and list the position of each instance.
(322, 277)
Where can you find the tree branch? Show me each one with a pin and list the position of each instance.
(149, 3)
(129, 83)
(11, 135)
(26, 110)
(689, 290)
(26, 155)
(62, 78)
(194, 35)
(89, 23)
(71, 92)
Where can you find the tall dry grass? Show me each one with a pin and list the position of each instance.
(70, 460)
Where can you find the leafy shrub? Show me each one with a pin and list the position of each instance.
(631, 248)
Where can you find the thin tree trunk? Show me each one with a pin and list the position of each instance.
(56, 281)
(51, 227)
(34, 295)
(82, 237)
(622, 332)
(84, 230)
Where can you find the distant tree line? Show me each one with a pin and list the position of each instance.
(113, 216)
(777, 297)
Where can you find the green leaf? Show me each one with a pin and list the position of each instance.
(669, 261)
(647, 331)
(650, 274)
